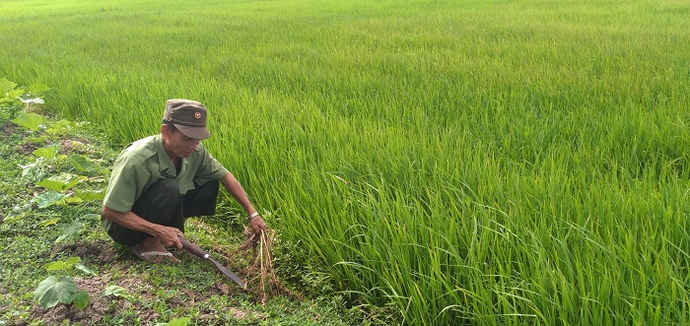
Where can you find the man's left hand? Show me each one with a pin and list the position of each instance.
(258, 224)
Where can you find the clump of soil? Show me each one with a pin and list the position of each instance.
(97, 252)
(71, 145)
(68, 145)
(28, 148)
(9, 129)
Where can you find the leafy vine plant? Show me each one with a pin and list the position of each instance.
(14, 98)
(52, 290)
(46, 171)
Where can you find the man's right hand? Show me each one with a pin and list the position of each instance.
(169, 236)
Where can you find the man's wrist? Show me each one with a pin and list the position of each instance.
(252, 216)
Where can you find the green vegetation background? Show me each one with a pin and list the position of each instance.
(487, 162)
(52, 179)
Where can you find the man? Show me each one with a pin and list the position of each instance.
(159, 181)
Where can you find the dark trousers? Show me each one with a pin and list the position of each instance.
(163, 204)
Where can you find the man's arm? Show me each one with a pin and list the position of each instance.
(235, 189)
(168, 236)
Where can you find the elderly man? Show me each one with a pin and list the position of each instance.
(159, 181)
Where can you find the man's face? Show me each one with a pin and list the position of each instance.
(177, 144)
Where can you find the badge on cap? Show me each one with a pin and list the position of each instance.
(197, 115)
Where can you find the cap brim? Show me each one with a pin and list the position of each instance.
(193, 132)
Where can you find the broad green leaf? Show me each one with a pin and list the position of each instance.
(60, 265)
(84, 269)
(10, 102)
(45, 294)
(179, 322)
(73, 200)
(37, 88)
(61, 128)
(71, 261)
(72, 183)
(65, 177)
(49, 298)
(80, 299)
(51, 291)
(65, 289)
(15, 93)
(116, 291)
(28, 120)
(50, 221)
(81, 162)
(56, 266)
(47, 152)
(44, 285)
(90, 194)
(48, 198)
(52, 184)
(6, 85)
(34, 170)
(70, 231)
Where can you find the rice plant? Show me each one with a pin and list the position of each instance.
(451, 162)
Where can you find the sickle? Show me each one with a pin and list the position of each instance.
(194, 249)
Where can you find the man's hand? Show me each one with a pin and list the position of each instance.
(169, 236)
(257, 223)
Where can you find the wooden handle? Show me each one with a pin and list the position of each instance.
(194, 249)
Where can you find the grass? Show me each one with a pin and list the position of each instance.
(154, 293)
(454, 162)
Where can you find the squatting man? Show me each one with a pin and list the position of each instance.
(159, 181)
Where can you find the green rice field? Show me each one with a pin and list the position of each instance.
(453, 162)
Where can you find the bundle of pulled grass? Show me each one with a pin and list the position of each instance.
(261, 269)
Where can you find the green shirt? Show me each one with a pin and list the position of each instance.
(145, 161)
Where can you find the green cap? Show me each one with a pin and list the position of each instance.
(187, 116)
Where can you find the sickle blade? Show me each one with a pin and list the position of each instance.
(195, 250)
(228, 273)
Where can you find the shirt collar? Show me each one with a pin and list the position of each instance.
(165, 164)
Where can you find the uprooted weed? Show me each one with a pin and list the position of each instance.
(260, 269)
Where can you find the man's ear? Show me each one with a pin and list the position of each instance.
(165, 131)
